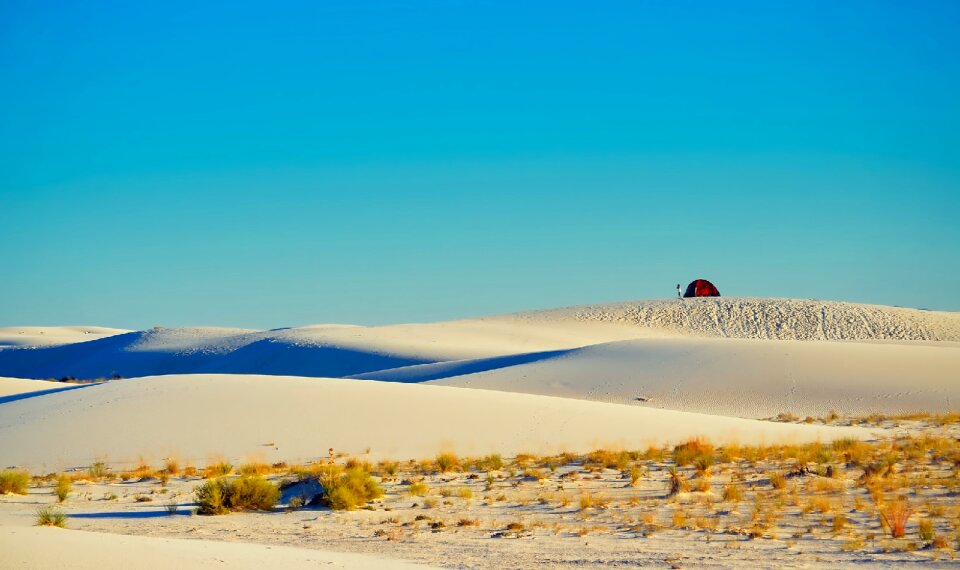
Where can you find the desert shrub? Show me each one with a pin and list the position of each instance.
(254, 469)
(62, 488)
(418, 488)
(348, 489)
(245, 493)
(926, 530)
(465, 493)
(894, 517)
(777, 480)
(447, 462)
(14, 482)
(252, 493)
(218, 469)
(491, 462)
(677, 483)
(388, 468)
(695, 451)
(98, 470)
(50, 516)
(731, 493)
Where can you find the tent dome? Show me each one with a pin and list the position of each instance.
(701, 288)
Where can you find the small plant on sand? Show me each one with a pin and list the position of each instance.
(447, 462)
(218, 469)
(62, 488)
(677, 483)
(98, 470)
(50, 516)
(349, 489)
(925, 530)
(696, 451)
(245, 493)
(777, 480)
(491, 462)
(894, 517)
(418, 489)
(15, 482)
(171, 466)
(731, 493)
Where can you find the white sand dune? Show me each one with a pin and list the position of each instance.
(50, 336)
(731, 356)
(320, 350)
(740, 377)
(763, 318)
(198, 417)
(21, 386)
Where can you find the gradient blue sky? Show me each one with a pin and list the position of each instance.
(282, 163)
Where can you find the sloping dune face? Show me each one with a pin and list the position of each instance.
(273, 418)
(779, 319)
(50, 336)
(732, 356)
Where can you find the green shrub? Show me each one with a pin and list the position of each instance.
(14, 482)
(63, 488)
(347, 490)
(50, 516)
(245, 493)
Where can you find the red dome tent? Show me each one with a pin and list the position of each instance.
(701, 288)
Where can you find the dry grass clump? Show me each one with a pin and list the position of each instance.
(606, 459)
(696, 451)
(677, 483)
(777, 480)
(447, 462)
(218, 469)
(171, 466)
(925, 530)
(255, 468)
(894, 517)
(348, 489)
(492, 462)
(14, 482)
(62, 488)
(731, 493)
(50, 516)
(98, 470)
(418, 489)
(245, 493)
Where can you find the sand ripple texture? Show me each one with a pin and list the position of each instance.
(781, 319)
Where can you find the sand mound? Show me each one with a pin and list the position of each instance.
(738, 377)
(780, 319)
(49, 336)
(197, 417)
(340, 351)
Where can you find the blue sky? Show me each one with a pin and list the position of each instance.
(371, 162)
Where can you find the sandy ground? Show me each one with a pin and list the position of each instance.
(510, 520)
(202, 417)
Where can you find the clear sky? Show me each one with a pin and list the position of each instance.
(276, 164)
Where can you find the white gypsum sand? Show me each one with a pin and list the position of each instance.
(201, 417)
